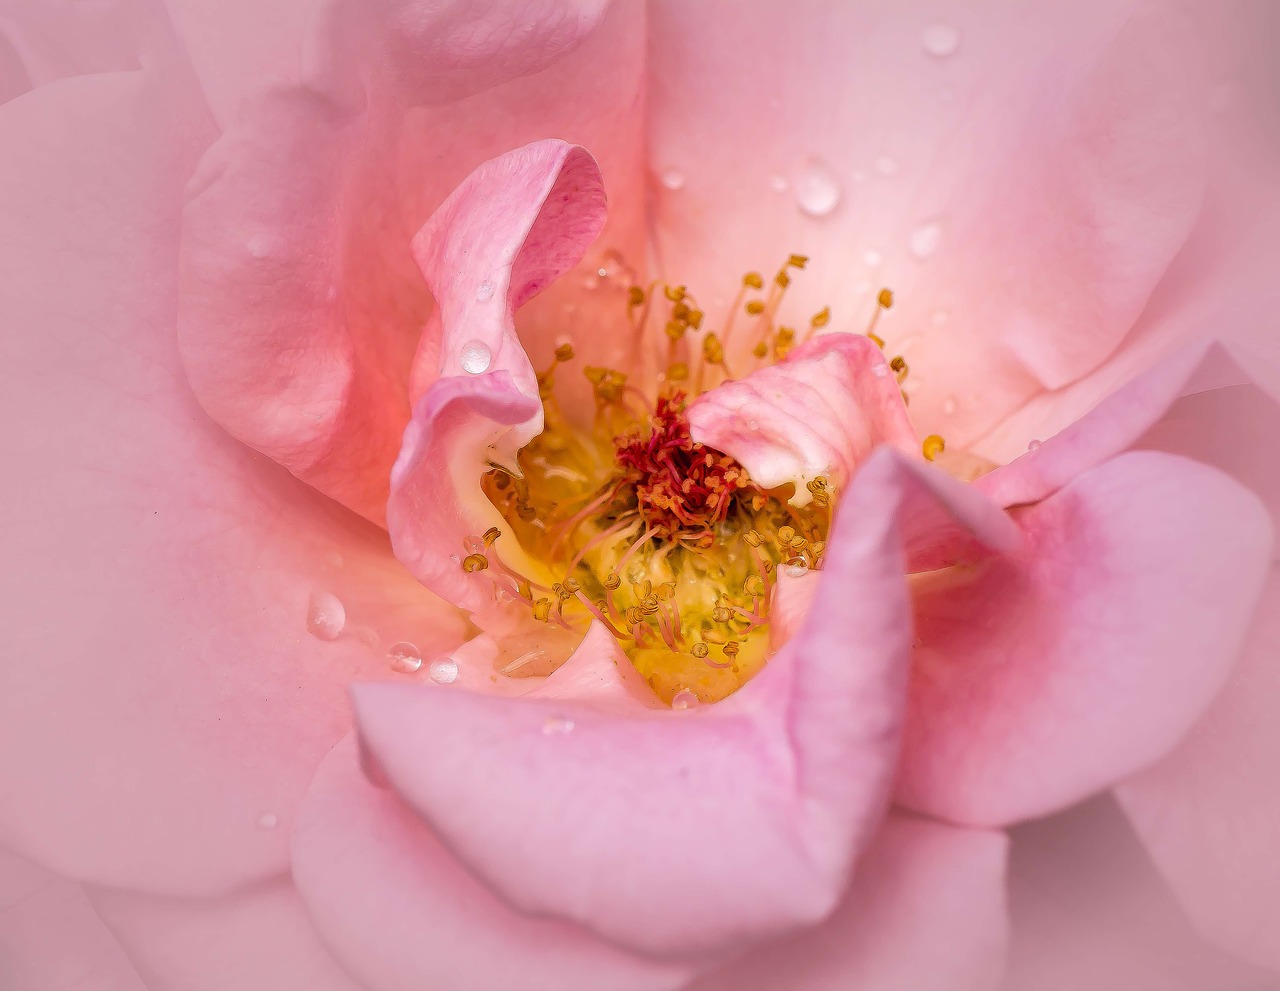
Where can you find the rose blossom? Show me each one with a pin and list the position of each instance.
(277, 354)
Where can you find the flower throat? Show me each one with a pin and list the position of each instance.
(666, 542)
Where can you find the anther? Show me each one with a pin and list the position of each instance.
(675, 293)
(712, 349)
(565, 353)
(782, 278)
(721, 614)
(755, 306)
(635, 297)
(933, 446)
(821, 318)
(785, 533)
(612, 582)
(571, 585)
(798, 261)
(711, 636)
(753, 280)
(899, 366)
(474, 562)
(731, 649)
(542, 610)
(754, 585)
(760, 350)
(752, 537)
(700, 650)
(490, 535)
(885, 299)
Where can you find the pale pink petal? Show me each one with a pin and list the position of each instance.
(160, 691)
(1089, 910)
(253, 939)
(713, 825)
(1020, 175)
(1041, 677)
(52, 41)
(51, 939)
(819, 412)
(925, 910)
(1209, 813)
(401, 914)
(301, 305)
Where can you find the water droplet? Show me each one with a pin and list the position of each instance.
(886, 166)
(1033, 446)
(684, 699)
(797, 570)
(939, 317)
(778, 183)
(268, 820)
(872, 258)
(476, 357)
(266, 245)
(940, 40)
(925, 239)
(443, 670)
(880, 370)
(673, 179)
(484, 291)
(326, 616)
(404, 657)
(817, 189)
(753, 424)
(557, 726)
(949, 405)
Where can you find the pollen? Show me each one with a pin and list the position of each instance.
(624, 520)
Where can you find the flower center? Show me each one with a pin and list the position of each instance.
(631, 522)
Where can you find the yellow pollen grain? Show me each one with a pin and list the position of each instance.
(933, 446)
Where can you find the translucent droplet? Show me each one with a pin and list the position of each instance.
(484, 291)
(683, 699)
(753, 425)
(872, 258)
(797, 570)
(1033, 446)
(326, 616)
(404, 657)
(557, 726)
(939, 317)
(949, 405)
(925, 239)
(880, 370)
(476, 357)
(886, 166)
(673, 179)
(817, 189)
(268, 820)
(940, 40)
(443, 670)
(778, 183)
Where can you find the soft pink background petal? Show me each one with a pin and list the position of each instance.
(1040, 678)
(925, 912)
(164, 693)
(401, 914)
(1022, 193)
(51, 939)
(1210, 812)
(254, 939)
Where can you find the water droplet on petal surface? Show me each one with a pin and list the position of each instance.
(1033, 446)
(484, 291)
(443, 670)
(404, 657)
(817, 189)
(925, 239)
(326, 616)
(673, 179)
(940, 40)
(557, 726)
(872, 258)
(797, 570)
(268, 820)
(476, 357)
(684, 699)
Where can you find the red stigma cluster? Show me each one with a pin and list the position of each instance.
(682, 488)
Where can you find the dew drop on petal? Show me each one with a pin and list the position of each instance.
(557, 726)
(753, 425)
(684, 699)
(817, 189)
(268, 820)
(443, 670)
(484, 291)
(940, 40)
(326, 616)
(1033, 446)
(925, 239)
(872, 258)
(880, 370)
(404, 657)
(797, 570)
(673, 179)
(476, 357)
(886, 166)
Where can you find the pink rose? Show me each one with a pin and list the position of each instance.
(354, 638)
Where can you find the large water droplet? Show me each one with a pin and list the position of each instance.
(817, 189)
(404, 657)
(443, 670)
(557, 726)
(484, 291)
(886, 166)
(683, 699)
(940, 40)
(1033, 446)
(268, 820)
(476, 357)
(673, 179)
(326, 616)
(925, 239)
(797, 570)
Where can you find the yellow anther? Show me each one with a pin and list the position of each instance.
(678, 372)
(666, 591)
(798, 261)
(542, 610)
(474, 562)
(695, 319)
(885, 299)
(899, 366)
(525, 589)
(797, 542)
(571, 585)
(782, 278)
(753, 280)
(711, 636)
(754, 585)
(490, 535)
(612, 582)
(760, 350)
(680, 311)
(676, 329)
(785, 533)
(821, 318)
(635, 615)
(635, 297)
(933, 446)
(565, 352)
(607, 383)
(752, 537)
(712, 349)
(876, 339)
(786, 335)
(755, 306)
(674, 293)
(721, 614)
(700, 650)
(731, 649)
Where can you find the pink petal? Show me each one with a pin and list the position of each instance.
(542, 798)
(399, 912)
(514, 226)
(252, 939)
(160, 693)
(52, 41)
(1209, 812)
(1042, 677)
(301, 304)
(1022, 188)
(925, 910)
(820, 412)
(51, 939)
